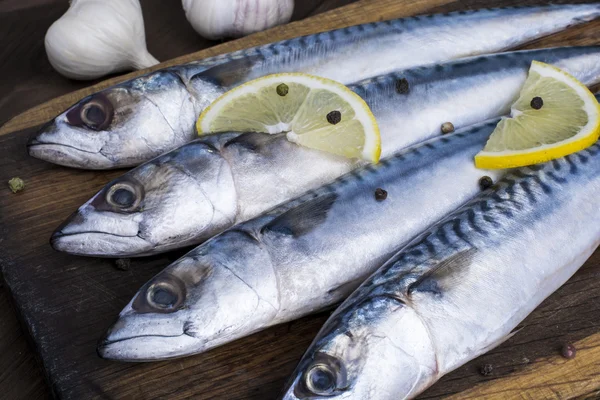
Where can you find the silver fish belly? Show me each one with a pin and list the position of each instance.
(192, 193)
(300, 257)
(137, 120)
(458, 290)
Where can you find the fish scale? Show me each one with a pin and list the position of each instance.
(142, 118)
(464, 285)
(244, 175)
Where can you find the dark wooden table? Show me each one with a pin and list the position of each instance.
(27, 79)
(82, 295)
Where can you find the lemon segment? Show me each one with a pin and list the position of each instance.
(555, 115)
(314, 112)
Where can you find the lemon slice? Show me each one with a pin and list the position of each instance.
(555, 115)
(314, 112)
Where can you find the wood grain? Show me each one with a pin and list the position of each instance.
(67, 302)
(20, 377)
(548, 377)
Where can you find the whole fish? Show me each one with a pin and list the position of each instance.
(460, 289)
(139, 119)
(190, 194)
(300, 257)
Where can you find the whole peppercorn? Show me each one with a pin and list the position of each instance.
(486, 369)
(282, 89)
(537, 103)
(380, 194)
(485, 182)
(568, 351)
(123, 264)
(402, 86)
(334, 117)
(447, 127)
(16, 185)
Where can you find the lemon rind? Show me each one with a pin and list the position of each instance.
(587, 136)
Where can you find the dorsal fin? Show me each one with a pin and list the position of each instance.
(302, 218)
(445, 274)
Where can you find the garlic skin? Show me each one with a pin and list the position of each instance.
(98, 37)
(216, 19)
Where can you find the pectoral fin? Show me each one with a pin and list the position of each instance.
(303, 218)
(446, 273)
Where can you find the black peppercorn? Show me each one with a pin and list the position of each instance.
(486, 369)
(334, 117)
(282, 89)
(537, 103)
(380, 194)
(485, 182)
(568, 351)
(123, 264)
(402, 86)
(447, 127)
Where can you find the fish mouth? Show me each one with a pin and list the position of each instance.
(105, 342)
(89, 233)
(67, 155)
(56, 143)
(97, 244)
(33, 142)
(59, 234)
(146, 348)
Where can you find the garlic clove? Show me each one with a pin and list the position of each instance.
(215, 19)
(98, 37)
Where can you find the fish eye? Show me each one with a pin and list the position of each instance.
(162, 295)
(124, 196)
(165, 294)
(321, 379)
(95, 114)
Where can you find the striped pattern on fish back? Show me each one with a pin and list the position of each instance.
(398, 165)
(355, 33)
(337, 40)
(401, 82)
(522, 196)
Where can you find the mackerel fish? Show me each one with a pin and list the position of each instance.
(134, 121)
(459, 289)
(300, 257)
(192, 193)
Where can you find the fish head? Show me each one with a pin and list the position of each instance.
(177, 199)
(201, 301)
(155, 320)
(122, 126)
(376, 351)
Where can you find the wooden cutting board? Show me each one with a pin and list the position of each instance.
(66, 303)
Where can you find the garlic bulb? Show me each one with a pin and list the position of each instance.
(98, 37)
(215, 19)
